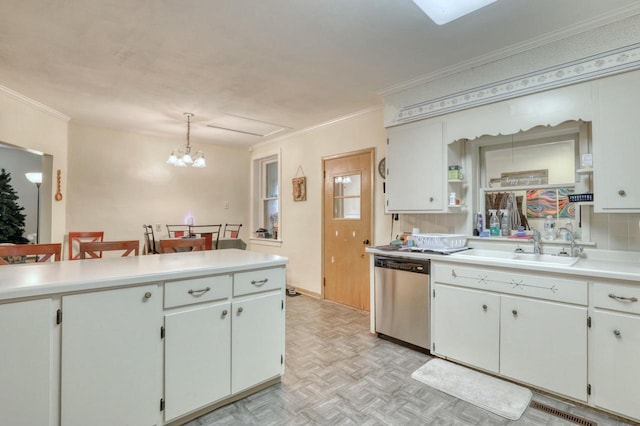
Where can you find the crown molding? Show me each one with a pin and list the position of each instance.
(33, 103)
(593, 67)
(515, 49)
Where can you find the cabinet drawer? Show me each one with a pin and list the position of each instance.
(258, 280)
(510, 282)
(197, 290)
(617, 296)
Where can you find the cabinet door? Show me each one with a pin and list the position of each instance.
(466, 326)
(257, 340)
(415, 165)
(25, 369)
(616, 347)
(545, 344)
(111, 357)
(615, 144)
(197, 358)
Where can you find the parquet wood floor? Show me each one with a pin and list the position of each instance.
(337, 373)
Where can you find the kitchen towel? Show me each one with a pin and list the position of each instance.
(497, 396)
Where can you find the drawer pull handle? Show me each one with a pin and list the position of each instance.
(616, 332)
(626, 299)
(515, 313)
(484, 307)
(259, 283)
(199, 292)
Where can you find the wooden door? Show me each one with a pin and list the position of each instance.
(348, 196)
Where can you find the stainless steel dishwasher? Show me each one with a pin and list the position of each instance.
(402, 299)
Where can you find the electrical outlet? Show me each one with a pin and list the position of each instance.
(226, 204)
(158, 227)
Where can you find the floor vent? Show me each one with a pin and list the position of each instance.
(562, 414)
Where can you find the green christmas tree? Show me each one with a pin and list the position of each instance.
(11, 216)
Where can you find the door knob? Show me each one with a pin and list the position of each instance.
(365, 242)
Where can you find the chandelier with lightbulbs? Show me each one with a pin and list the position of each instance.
(182, 157)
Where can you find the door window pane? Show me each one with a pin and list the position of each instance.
(346, 197)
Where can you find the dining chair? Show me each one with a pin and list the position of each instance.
(93, 250)
(176, 231)
(175, 245)
(75, 238)
(231, 230)
(149, 240)
(42, 252)
(210, 233)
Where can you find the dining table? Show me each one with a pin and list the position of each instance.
(223, 243)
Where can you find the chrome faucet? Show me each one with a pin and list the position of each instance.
(575, 248)
(536, 239)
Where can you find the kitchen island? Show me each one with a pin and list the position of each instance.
(569, 327)
(138, 340)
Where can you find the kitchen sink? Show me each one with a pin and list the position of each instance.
(529, 258)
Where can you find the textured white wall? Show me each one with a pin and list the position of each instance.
(301, 222)
(28, 125)
(119, 181)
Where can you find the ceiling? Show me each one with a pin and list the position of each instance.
(284, 65)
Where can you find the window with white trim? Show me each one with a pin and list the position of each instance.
(266, 213)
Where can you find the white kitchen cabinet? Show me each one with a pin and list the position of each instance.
(615, 345)
(466, 326)
(527, 327)
(544, 344)
(616, 138)
(197, 353)
(257, 339)
(25, 368)
(111, 357)
(415, 168)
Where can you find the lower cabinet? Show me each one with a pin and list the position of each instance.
(539, 342)
(467, 326)
(615, 348)
(257, 339)
(111, 357)
(197, 358)
(545, 344)
(25, 368)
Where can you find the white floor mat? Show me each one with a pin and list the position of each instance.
(497, 396)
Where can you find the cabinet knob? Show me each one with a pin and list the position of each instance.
(224, 313)
(622, 193)
(240, 309)
(147, 295)
(431, 199)
(484, 307)
(515, 313)
(616, 333)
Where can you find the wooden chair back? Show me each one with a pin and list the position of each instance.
(75, 238)
(93, 250)
(182, 244)
(210, 233)
(149, 240)
(232, 230)
(43, 252)
(177, 231)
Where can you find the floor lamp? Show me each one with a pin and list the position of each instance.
(36, 177)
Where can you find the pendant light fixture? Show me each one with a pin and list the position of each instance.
(182, 158)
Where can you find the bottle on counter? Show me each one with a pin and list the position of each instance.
(478, 224)
(494, 223)
(549, 228)
(505, 223)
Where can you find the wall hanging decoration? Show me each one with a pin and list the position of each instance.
(58, 195)
(299, 186)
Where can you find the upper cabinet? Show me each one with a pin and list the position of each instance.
(615, 147)
(415, 168)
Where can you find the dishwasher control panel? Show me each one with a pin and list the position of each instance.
(409, 265)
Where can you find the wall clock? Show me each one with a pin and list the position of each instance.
(382, 168)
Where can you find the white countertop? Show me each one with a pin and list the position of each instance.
(606, 264)
(42, 279)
